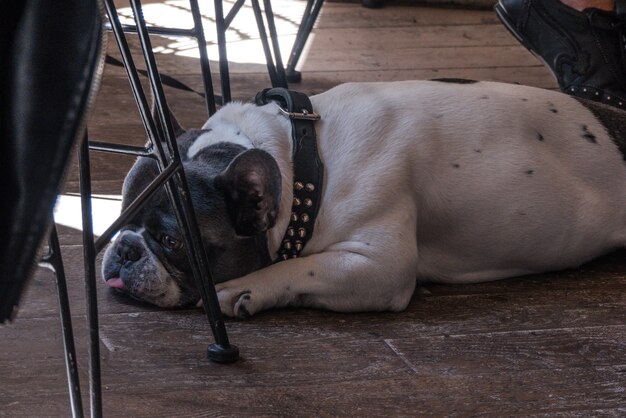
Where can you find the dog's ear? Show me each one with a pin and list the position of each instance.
(178, 129)
(251, 185)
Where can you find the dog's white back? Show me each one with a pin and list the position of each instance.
(436, 181)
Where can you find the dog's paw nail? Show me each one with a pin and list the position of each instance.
(242, 305)
(243, 312)
(235, 303)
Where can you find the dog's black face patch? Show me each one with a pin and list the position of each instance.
(156, 269)
(613, 119)
(455, 80)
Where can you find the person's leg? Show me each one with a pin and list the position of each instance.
(583, 43)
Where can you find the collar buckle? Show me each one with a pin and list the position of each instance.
(302, 115)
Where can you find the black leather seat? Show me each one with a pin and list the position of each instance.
(50, 65)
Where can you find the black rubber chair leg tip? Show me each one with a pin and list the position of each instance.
(294, 76)
(221, 354)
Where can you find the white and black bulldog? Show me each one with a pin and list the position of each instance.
(447, 181)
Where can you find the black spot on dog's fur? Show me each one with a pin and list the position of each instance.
(540, 137)
(530, 172)
(588, 135)
(552, 108)
(311, 273)
(483, 97)
(456, 165)
(478, 151)
(612, 119)
(455, 80)
(524, 99)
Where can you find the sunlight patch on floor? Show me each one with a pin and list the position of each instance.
(242, 37)
(104, 209)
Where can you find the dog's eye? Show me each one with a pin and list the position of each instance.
(171, 243)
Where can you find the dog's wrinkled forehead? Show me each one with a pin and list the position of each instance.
(199, 170)
(215, 135)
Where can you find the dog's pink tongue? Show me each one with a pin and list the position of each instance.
(116, 283)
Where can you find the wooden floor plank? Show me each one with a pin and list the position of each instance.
(467, 374)
(411, 37)
(349, 15)
(321, 55)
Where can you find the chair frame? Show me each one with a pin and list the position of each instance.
(171, 175)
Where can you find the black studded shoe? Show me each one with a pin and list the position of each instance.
(586, 51)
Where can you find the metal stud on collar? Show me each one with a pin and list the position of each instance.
(606, 99)
(297, 231)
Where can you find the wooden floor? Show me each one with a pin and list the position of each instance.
(550, 345)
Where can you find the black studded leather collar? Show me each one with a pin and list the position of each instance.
(308, 169)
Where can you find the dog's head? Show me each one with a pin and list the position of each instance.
(235, 193)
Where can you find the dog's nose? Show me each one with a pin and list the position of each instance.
(130, 246)
(128, 253)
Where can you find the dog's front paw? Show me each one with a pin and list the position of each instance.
(235, 303)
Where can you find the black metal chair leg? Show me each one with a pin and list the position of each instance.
(89, 254)
(170, 167)
(311, 13)
(54, 261)
(271, 25)
(221, 45)
(277, 79)
(204, 57)
(222, 351)
(133, 76)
